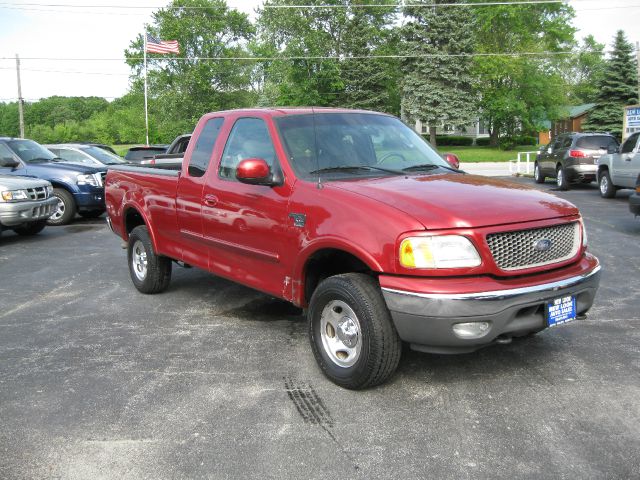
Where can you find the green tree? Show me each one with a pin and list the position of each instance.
(183, 87)
(617, 88)
(349, 29)
(586, 70)
(437, 87)
(519, 91)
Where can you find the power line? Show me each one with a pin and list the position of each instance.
(66, 71)
(318, 57)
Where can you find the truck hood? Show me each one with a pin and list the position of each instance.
(461, 201)
(16, 182)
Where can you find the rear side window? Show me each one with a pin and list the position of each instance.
(201, 155)
(566, 143)
(596, 142)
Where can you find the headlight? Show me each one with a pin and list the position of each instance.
(88, 180)
(49, 190)
(584, 233)
(444, 251)
(15, 195)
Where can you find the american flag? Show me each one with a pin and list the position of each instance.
(155, 45)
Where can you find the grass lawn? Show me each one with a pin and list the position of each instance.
(122, 149)
(485, 154)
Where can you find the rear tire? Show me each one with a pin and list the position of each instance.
(32, 228)
(561, 179)
(150, 273)
(607, 189)
(351, 332)
(66, 210)
(537, 174)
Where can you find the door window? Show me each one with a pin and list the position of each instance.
(630, 143)
(5, 152)
(249, 138)
(201, 155)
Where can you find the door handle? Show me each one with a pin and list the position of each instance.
(210, 200)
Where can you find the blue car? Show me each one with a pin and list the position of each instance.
(78, 188)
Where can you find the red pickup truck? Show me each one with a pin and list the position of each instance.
(354, 217)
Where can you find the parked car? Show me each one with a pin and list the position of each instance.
(85, 154)
(620, 167)
(78, 188)
(572, 158)
(25, 203)
(108, 148)
(143, 152)
(173, 156)
(634, 199)
(353, 216)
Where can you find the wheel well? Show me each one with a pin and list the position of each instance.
(132, 219)
(326, 263)
(55, 184)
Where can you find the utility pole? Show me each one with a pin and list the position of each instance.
(638, 66)
(20, 99)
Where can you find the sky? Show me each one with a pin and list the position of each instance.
(44, 34)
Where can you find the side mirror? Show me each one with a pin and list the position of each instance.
(9, 162)
(255, 171)
(612, 149)
(452, 159)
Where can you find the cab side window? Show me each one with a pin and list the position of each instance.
(630, 143)
(249, 138)
(201, 156)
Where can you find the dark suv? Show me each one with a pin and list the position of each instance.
(572, 158)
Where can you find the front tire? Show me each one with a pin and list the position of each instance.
(66, 209)
(537, 174)
(32, 228)
(561, 179)
(351, 332)
(150, 273)
(607, 188)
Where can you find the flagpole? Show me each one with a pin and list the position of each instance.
(146, 111)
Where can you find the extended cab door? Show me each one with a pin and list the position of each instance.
(247, 226)
(190, 198)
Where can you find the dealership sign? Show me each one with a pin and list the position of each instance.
(631, 120)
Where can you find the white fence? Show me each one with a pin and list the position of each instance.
(523, 163)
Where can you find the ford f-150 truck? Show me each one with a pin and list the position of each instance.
(352, 216)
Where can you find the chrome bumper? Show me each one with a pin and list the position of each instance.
(426, 320)
(13, 214)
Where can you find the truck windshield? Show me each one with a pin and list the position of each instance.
(355, 144)
(30, 151)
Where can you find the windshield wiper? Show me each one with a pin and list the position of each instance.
(355, 168)
(38, 159)
(422, 166)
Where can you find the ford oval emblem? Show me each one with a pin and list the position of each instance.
(543, 245)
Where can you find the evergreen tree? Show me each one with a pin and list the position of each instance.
(618, 88)
(438, 89)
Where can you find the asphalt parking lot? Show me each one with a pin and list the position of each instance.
(213, 380)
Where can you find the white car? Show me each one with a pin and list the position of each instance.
(85, 154)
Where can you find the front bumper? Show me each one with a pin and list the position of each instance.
(92, 199)
(13, 214)
(426, 320)
(581, 172)
(634, 203)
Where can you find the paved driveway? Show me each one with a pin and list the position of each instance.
(212, 380)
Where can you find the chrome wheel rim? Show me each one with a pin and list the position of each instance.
(60, 208)
(341, 333)
(559, 178)
(139, 260)
(536, 172)
(604, 185)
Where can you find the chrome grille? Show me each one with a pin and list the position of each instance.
(526, 248)
(39, 193)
